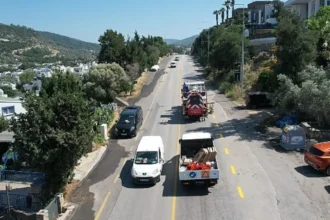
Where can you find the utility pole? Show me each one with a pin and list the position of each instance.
(8, 188)
(242, 64)
(208, 47)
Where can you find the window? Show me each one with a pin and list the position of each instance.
(328, 2)
(149, 157)
(10, 110)
(315, 151)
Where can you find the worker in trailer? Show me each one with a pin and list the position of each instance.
(185, 88)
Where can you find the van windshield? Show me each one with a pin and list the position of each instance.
(126, 119)
(150, 157)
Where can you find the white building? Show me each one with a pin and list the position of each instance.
(260, 12)
(306, 8)
(43, 72)
(10, 106)
(11, 85)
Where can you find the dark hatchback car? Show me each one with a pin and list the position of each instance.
(129, 122)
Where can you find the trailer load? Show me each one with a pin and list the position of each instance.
(194, 100)
(198, 163)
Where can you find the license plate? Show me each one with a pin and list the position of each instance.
(310, 163)
(144, 180)
(199, 182)
(123, 134)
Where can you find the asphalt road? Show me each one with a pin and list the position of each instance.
(257, 181)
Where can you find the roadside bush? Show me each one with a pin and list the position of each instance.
(225, 87)
(236, 92)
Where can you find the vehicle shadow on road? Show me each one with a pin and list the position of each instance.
(169, 170)
(174, 116)
(310, 172)
(126, 177)
(327, 188)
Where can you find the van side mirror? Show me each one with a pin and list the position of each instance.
(180, 141)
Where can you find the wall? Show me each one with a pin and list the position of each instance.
(8, 102)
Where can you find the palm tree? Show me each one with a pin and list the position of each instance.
(227, 4)
(216, 13)
(222, 11)
(232, 7)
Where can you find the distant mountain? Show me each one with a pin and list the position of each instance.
(171, 41)
(184, 42)
(23, 44)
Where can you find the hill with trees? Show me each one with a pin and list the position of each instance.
(23, 44)
(184, 42)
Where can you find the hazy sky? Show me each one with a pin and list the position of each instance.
(88, 19)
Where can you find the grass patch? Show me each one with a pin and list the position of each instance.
(69, 188)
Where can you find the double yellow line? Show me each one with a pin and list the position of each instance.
(175, 187)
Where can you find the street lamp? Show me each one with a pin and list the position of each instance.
(243, 36)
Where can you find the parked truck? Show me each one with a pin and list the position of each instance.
(197, 160)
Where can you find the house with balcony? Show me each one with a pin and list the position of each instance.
(260, 12)
(305, 8)
(238, 12)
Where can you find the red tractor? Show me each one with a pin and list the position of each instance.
(194, 100)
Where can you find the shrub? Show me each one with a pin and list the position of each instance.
(225, 87)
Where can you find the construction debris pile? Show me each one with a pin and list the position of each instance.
(203, 160)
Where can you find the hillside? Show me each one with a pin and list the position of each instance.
(184, 42)
(23, 44)
(170, 41)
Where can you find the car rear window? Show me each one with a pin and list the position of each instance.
(315, 151)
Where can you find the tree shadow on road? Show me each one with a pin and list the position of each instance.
(106, 167)
(248, 129)
(170, 170)
(309, 172)
(194, 77)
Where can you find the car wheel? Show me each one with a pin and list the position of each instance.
(327, 171)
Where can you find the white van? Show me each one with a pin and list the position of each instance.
(149, 160)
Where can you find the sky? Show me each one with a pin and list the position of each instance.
(88, 19)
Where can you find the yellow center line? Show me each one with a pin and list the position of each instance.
(124, 161)
(98, 214)
(221, 135)
(240, 192)
(177, 153)
(233, 169)
(226, 151)
(213, 116)
(116, 179)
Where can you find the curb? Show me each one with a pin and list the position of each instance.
(97, 161)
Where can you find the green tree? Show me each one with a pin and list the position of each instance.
(297, 45)
(9, 91)
(4, 124)
(105, 81)
(319, 23)
(55, 131)
(26, 77)
(112, 47)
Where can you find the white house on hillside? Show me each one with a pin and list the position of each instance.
(306, 8)
(10, 106)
